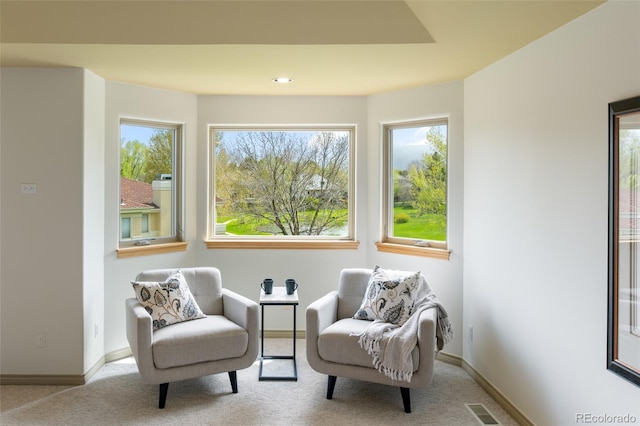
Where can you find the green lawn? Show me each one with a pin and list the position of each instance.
(246, 225)
(424, 227)
(243, 225)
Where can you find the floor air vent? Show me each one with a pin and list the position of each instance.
(483, 415)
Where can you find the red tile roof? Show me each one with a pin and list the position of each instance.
(135, 194)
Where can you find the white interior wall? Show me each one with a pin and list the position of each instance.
(535, 216)
(93, 219)
(444, 276)
(41, 268)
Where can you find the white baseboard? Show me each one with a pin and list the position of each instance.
(449, 359)
(116, 355)
(42, 379)
(63, 379)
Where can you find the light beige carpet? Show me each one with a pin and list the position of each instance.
(115, 395)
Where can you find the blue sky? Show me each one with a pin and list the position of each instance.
(409, 144)
(140, 133)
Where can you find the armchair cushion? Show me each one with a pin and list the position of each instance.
(390, 296)
(336, 344)
(213, 338)
(167, 302)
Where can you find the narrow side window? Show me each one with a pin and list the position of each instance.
(150, 183)
(415, 199)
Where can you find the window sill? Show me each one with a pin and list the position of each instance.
(289, 244)
(413, 250)
(151, 249)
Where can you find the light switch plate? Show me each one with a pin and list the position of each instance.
(28, 188)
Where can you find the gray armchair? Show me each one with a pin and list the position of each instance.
(333, 351)
(225, 341)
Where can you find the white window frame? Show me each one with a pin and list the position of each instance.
(406, 245)
(214, 240)
(159, 244)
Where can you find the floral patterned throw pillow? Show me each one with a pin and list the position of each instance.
(389, 297)
(168, 302)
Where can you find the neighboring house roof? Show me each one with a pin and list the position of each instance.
(135, 194)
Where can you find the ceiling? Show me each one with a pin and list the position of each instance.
(236, 47)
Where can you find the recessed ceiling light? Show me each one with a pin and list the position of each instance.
(282, 80)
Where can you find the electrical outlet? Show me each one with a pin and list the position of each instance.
(470, 333)
(41, 340)
(95, 330)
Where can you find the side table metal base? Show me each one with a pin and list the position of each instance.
(278, 298)
(294, 377)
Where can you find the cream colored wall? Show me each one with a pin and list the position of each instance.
(535, 217)
(444, 276)
(93, 220)
(42, 244)
(162, 197)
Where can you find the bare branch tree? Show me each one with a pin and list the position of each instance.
(296, 182)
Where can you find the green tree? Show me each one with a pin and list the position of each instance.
(226, 172)
(133, 160)
(401, 186)
(428, 177)
(160, 154)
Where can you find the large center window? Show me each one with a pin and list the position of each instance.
(281, 184)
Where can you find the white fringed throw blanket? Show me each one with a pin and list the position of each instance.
(390, 345)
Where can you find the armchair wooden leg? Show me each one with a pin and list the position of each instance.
(164, 387)
(330, 386)
(406, 399)
(234, 381)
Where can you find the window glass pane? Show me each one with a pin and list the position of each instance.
(627, 248)
(125, 228)
(418, 196)
(145, 223)
(282, 183)
(147, 187)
